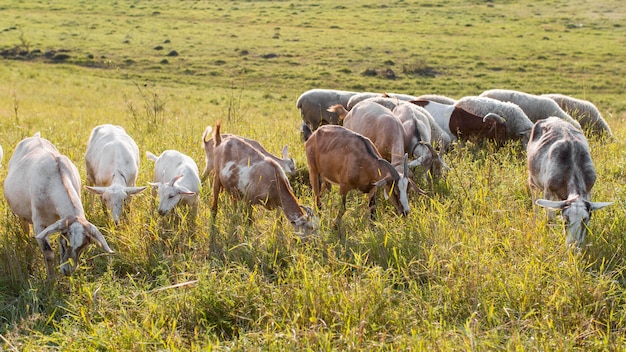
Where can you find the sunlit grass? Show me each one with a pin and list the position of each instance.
(472, 267)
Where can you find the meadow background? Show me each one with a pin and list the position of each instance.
(470, 268)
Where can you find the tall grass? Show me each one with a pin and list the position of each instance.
(473, 266)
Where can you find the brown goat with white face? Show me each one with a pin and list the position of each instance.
(350, 160)
(250, 176)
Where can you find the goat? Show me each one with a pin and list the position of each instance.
(112, 163)
(380, 125)
(42, 188)
(345, 158)
(286, 162)
(418, 139)
(559, 163)
(247, 174)
(177, 181)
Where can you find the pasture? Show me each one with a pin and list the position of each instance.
(470, 268)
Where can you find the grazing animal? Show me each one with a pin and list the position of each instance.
(518, 125)
(560, 165)
(313, 105)
(418, 139)
(251, 176)
(112, 162)
(584, 111)
(177, 181)
(345, 158)
(287, 163)
(459, 122)
(535, 107)
(380, 125)
(42, 188)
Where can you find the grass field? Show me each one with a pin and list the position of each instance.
(470, 268)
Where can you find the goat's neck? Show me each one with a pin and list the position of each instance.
(68, 203)
(288, 201)
(118, 178)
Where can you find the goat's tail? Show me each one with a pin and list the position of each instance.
(217, 137)
(206, 133)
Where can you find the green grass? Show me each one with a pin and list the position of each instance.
(470, 268)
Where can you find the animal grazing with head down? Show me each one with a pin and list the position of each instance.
(348, 159)
(380, 125)
(250, 176)
(112, 162)
(313, 105)
(287, 163)
(418, 138)
(584, 111)
(460, 122)
(560, 165)
(43, 188)
(535, 107)
(176, 180)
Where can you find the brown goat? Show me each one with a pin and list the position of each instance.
(350, 160)
(250, 176)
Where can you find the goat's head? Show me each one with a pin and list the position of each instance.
(576, 213)
(75, 234)
(307, 224)
(170, 193)
(396, 186)
(115, 196)
(429, 160)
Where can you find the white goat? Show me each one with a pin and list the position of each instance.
(559, 163)
(43, 188)
(112, 162)
(177, 181)
(535, 107)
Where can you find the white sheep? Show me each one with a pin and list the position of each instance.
(535, 107)
(112, 162)
(313, 105)
(43, 188)
(584, 111)
(177, 181)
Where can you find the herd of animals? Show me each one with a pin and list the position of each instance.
(357, 141)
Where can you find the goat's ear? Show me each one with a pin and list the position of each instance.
(380, 183)
(154, 184)
(135, 190)
(96, 190)
(97, 236)
(185, 191)
(56, 227)
(599, 205)
(418, 162)
(417, 190)
(552, 204)
(285, 152)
